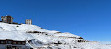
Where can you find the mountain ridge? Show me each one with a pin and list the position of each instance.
(40, 37)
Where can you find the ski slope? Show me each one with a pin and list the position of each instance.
(68, 40)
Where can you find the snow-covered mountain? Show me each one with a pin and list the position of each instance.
(38, 37)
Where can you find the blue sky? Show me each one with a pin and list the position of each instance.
(90, 19)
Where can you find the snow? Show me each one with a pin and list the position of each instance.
(93, 45)
(19, 32)
(66, 34)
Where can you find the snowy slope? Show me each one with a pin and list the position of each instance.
(68, 40)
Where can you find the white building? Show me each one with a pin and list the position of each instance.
(28, 21)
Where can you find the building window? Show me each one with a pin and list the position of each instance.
(23, 42)
(14, 42)
(9, 42)
(9, 46)
(19, 42)
(2, 42)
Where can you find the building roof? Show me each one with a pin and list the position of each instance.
(7, 16)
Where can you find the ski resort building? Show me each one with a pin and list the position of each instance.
(7, 19)
(28, 21)
(12, 44)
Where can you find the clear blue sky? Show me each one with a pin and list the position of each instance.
(90, 19)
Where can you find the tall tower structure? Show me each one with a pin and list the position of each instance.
(28, 21)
